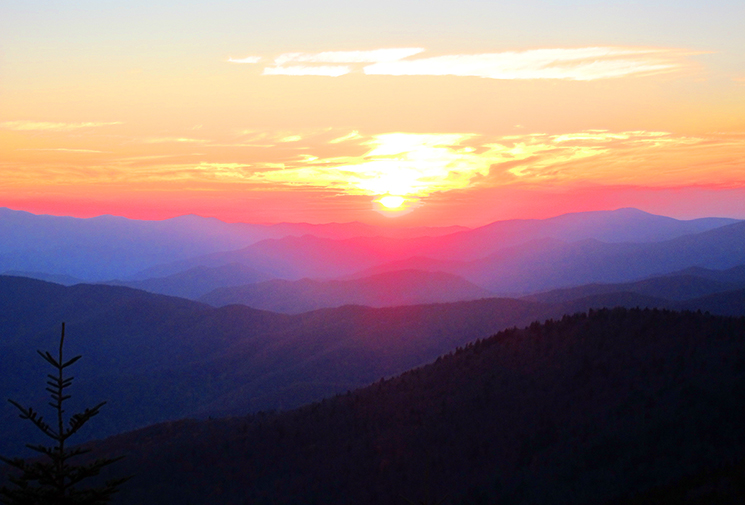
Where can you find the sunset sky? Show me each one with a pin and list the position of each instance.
(390, 112)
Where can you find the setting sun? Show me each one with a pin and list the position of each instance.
(392, 201)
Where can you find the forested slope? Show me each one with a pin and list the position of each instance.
(586, 409)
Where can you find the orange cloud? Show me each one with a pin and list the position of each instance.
(415, 166)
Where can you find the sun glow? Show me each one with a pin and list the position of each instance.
(392, 201)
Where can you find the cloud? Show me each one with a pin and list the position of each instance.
(578, 64)
(181, 140)
(419, 165)
(581, 64)
(353, 135)
(61, 149)
(416, 166)
(248, 59)
(324, 70)
(48, 126)
(404, 164)
(374, 56)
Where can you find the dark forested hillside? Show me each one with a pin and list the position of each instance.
(585, 409)
(157, 357)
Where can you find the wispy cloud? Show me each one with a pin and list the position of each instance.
(374, 56)
(418, 165)
(248, 59)
(579, 64)
(180, 140)
(350, 136)
(298, 63)
(48, 126)
(411, 165)
(62, 149)
(322, 70)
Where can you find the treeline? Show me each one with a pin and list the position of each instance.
(595, 407)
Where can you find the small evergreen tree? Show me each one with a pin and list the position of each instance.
(52, 480)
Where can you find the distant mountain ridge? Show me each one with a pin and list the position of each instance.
(549, 263)
(621, 225)
(402, 287)
(293, 258)
(197, 281)
(108, 247)
(670, 286)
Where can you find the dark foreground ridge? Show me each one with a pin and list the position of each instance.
(613, 405)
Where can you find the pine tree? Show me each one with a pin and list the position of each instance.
(52, 479)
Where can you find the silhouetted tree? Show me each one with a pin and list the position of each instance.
(52, 479)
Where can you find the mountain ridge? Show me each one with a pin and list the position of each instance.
(402, 287)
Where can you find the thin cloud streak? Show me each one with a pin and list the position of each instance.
(180, 140)
(577, 64)
(296, 70)
(48, 126)
(580, 64)
(62, 149)
(350, 136)
(374, 56)
(249, 59)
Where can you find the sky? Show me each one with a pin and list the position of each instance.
(389, 112)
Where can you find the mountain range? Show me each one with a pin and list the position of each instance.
(401, 287)
(109, 247)
(159, 357)
(193, 318)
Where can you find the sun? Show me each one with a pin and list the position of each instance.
(392, 201)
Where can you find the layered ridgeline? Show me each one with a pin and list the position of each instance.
(106, 248)
(585, 409)
(401, 287)
(156, 357)
(299, 273)
(507, 257)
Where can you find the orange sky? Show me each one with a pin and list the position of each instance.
(114, 113)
